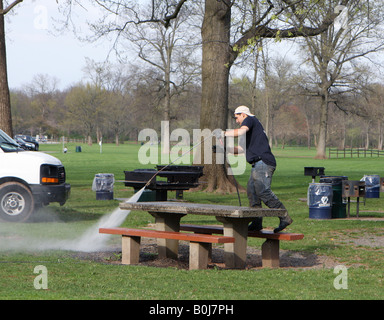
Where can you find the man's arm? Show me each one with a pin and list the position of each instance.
(237, 132)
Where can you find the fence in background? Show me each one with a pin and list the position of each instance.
(354, 153)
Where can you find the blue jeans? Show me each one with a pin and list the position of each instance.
(259, 187)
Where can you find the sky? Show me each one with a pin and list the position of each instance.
(33, 47)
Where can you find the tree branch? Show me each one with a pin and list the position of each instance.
(168, 18)
(263, 31)
(9, 8)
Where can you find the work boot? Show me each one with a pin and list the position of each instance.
(256, 225)
(284, 222)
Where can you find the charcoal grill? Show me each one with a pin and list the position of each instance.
(353, 188)
(314, 172)
(174, 178)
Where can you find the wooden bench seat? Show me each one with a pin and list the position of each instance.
(198, 251)
(269, 249)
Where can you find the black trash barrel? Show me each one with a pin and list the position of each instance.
(339, 207)
(319, 200)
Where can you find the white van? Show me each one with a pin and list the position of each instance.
(28, 180)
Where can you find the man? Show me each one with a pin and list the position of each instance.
(259, 155)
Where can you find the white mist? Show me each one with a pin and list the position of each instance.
(91, 240)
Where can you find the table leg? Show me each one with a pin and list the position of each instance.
(235, 254)
(270, 253)
(348, 206)
(167, 248)
(130, 250)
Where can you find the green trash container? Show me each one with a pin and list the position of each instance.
(147, 195)
(339, 204)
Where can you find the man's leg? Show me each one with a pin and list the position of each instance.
(261, 175)
(254, 202)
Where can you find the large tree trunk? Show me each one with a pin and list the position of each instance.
(343, 132)
(215, 75)
(167, 107)
(380, 138)
(366, 147)
(5, 103)
(322, 142)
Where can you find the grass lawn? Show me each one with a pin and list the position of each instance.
(356, 244)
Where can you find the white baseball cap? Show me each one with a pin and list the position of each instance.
(243, 109)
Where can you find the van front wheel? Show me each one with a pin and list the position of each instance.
(16, 202)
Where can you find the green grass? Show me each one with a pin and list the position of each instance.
(73, 278)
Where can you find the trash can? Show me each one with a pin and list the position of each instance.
(339, 204)
(103, 185)
(78, 148)
(147, 195)
(319, 199)
(372, 186)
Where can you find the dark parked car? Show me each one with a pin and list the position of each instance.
(25, 145)
(28, 139)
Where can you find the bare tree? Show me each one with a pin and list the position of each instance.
(170, 50)
(115, 82)
(87, 104)
(42, 89)
(5, 100)
(372, 101)
(167, 49)
(334, 54)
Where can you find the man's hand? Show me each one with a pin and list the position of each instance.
(218, 133)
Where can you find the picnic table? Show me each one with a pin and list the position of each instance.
(235, 220)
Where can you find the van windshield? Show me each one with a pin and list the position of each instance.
(7, 144)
